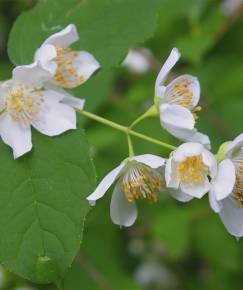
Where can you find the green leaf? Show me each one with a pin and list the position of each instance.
(43, 206)
(107, 28)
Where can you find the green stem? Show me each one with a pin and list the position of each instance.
(124, 129)
(151, 112)
(102, 120)
(130, 146)
(152, 140)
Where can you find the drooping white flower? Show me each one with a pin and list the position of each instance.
(151, 273)
(189, 170)
(226, 195)
(136, 178)
(68, 68)
(24, 103)
(138, 60)
(231, 6)
(178, 102)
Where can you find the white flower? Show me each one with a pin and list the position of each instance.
(138, 60)
(68, 68)
(189, 170)
(137, 178)
(24, 103)
(178, 103)
(231, 6)
(152, 273)
(226, 195)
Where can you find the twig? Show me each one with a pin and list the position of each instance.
(94, 274)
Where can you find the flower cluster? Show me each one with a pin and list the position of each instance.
(35, 95)
(190, 172)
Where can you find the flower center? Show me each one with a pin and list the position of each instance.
(67, 74)
(192, 170)
(238, 189)
(23, 103)
(180, 93)
(141, 181)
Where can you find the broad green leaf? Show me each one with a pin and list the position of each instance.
(107, 28)
(43, 206)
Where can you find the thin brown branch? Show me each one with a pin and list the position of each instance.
(98, 277)
(218, 123)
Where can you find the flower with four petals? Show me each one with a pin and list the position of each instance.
(136, 178)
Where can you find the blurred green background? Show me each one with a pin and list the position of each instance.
(172, 245)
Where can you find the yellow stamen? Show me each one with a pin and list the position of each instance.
(23, 103)
(67, 74)
(141, 181)
(238, 192)
(192, 170)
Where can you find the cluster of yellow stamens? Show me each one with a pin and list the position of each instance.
(192, 170)
(67, 74)
(23, 103)
(141, 181)
(182, 95)
(238, 192)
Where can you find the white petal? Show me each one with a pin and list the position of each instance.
(179, 195)
(45, 57)
(211, 162)
(122, 212)
(138, 60)
(150, 160)
(55, 118)
(200, 138)
(63, 38)
(171, 174)
(187, 150)
(235, 144)
(66, 98)
(17, 136)
(168, 65)
(30, 74)
(177, 116)
(105, 184)
(193, 88)
(196, 189)
(86, 64)
(232, 217)
(180, 133)
(223, 184)
(76, 103)
(160, 93)
(214, 203)
(5, 87)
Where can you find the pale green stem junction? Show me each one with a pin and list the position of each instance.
(151, 112)
(125, 130)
